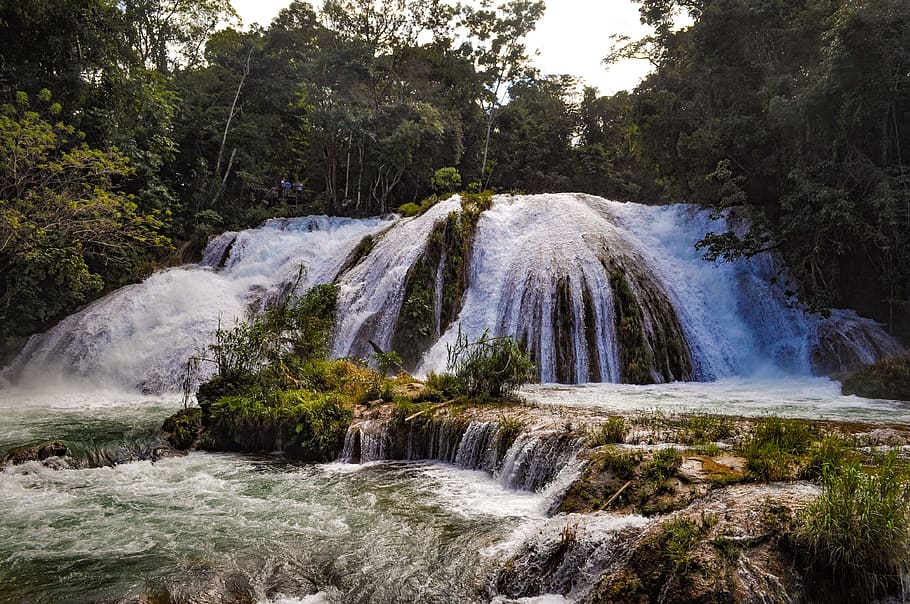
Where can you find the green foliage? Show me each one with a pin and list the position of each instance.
(704, 429)
(446, 180)
(827, 455)
(409, 210)
(663, 464)
(635, 356)
(295, 329)
(614, 430)
(857, 533)
(622, 464)
(307, 424)
(490, 367)
(677, 539)
(385, 361)
(446, 384)
(886, 379)
(66, 230)
(774, 447)
(510, 428)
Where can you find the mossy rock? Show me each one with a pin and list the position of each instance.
(886, 379)
(182, 429)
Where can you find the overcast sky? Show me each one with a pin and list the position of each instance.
(573, 37)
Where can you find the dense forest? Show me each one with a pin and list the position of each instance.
(131, 130)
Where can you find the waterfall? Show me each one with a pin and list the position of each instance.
(561, 271)
(141, 336)
(531, 462)
(598, 291)
(372, 292)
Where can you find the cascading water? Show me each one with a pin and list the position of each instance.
(599, 291)
(142, 335)
(566, 272)
(372, 292)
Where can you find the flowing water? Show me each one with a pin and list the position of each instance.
(433, 528)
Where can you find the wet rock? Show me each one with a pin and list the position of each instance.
(182, 429)
(202, 586)
(40, 452)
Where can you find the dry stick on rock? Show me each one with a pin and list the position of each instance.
(615, 495)
(433, 408)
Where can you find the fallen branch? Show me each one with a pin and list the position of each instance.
(433, 408)
(613, 498)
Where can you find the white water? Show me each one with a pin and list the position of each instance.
(736, 317)
(799, 397)
(371, 294)
(142, 335)
(380, 532)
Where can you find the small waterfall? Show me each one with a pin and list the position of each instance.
(534, 460)
(478, 449)
(141, 336)
(375, 442)
(371, 293)
(218, 250)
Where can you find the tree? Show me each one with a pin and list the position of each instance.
(171, 34)
(66, 232)
(499, 54)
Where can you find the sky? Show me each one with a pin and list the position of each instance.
(572, 38)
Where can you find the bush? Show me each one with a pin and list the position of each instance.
(857, 533)
(409, 210)
(296, 326)
(491, 367)
(446, 180)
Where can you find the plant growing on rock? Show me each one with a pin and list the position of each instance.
(614, 430)
(857, 533)
(490, 367)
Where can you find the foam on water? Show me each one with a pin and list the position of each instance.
(799, 397)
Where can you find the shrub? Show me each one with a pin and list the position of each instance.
(613, 431)
(446, 180)
(491, 367)
(409, 210)
(446, 384)
(857, 533)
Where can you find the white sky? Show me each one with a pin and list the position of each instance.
(572, 38)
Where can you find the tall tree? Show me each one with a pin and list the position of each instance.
(499, 54)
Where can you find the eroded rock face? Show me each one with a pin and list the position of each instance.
(725, 547)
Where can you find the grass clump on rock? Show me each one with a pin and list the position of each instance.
(857, 533)
(775, 446)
